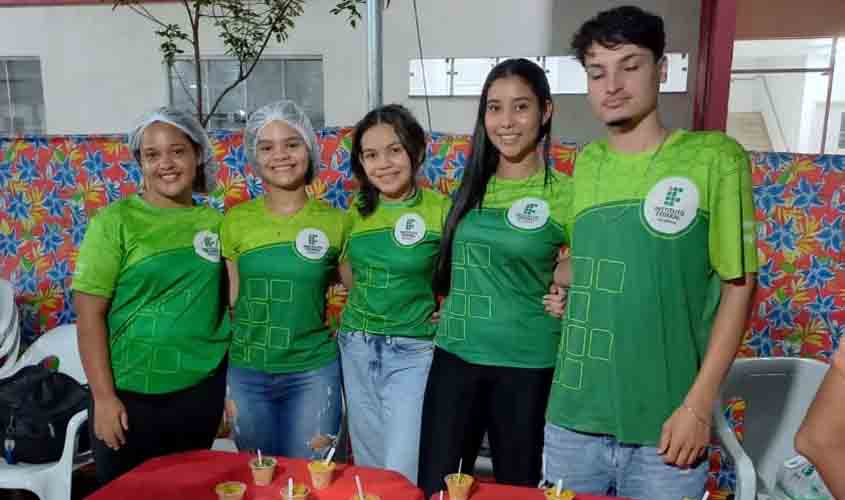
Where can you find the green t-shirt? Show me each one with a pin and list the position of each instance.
(503, 260)
(653, 236)
(161, 268)
(285, 264)
(392, 253)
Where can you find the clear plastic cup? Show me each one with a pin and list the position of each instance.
(551, 494)
(230, 490)
(321, 473)
(300, 492)
(262, 473)
(459, 486)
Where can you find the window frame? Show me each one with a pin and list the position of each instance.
(6, 77)
(205, 59)
(829, 70)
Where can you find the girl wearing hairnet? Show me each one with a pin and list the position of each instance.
(281, 252)
(149, 291)
(386, 329)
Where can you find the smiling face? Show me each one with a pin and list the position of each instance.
(386, 162)
(513, 118)
(169, 162)
(622, 83)
(282, 156)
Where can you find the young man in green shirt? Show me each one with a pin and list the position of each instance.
(661, 274)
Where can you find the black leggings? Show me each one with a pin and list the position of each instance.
(160, 424)
(465, 400)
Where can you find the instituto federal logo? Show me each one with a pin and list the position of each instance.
(671, 205)
(409, 229)
(312, 244)
(207, 245)
(528, 213)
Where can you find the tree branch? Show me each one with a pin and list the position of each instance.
(143, 12)
(242, 76)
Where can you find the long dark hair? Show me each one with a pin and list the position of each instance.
(484, 158)
(410, 134)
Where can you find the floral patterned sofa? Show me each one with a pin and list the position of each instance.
(50, 186)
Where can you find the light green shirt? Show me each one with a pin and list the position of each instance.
(653, 236)
(392, 253)
(285, 264)
(162, 271)
(503, 260)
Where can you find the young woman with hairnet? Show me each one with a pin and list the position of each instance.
(281, 252)
(149, 291)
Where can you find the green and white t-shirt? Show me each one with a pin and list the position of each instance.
(392, 253)
(653, 235)
(162, 270)
(503, 260)
(285, 264)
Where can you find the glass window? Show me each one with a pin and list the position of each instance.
(300, 80)
(21, 97)
(465, 76)
(779, 95)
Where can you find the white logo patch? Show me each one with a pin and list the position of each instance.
(528, 213)
(671, 205)
(409, 230)
(312, 244)
(207, 246)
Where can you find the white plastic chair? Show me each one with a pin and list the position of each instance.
(777, 393)
(51, 481)
(10, 335)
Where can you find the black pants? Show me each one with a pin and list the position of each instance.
(160, 424)
(463, 401)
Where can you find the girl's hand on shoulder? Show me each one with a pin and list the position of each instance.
(555, 301)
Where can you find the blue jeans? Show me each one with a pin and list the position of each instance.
(598, 465)
(281, 413)
(385, 381)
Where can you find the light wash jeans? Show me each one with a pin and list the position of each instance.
(598, 465)
(281, 413)
(385, 379)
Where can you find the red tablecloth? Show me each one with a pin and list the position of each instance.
(492, 491)
(192, 476)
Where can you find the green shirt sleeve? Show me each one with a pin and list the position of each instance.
(733, 236)
(345, 233)
(350, 216)
(227, 238)
(100, 255)
(444, 214)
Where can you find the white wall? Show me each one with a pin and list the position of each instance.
(102, 67)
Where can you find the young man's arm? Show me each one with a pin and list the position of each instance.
(686, 434)
(822, 435)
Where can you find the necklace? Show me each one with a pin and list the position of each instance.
(638, 187)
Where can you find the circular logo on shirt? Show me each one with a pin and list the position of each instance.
(207, 246)
(671, 205)
(409, 230)
(528, 213)
(312, 244)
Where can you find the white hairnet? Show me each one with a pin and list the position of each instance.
(185, 122)
(288, 112)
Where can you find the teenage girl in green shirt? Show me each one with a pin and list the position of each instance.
(149, 291)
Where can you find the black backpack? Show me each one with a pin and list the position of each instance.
(36, 404)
